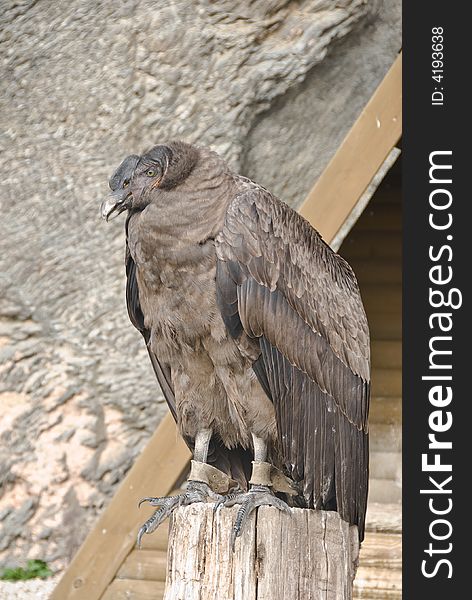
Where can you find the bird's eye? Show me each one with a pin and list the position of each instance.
(150, 173)
(126, 183)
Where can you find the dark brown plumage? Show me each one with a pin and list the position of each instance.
(235, 462)
(254, 326)
(279, 283)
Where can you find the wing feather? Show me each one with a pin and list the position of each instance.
(280, 284)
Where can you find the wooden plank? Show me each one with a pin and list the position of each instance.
(371, 244)
(381, 550)
(386, 354)
(132, 589)
(144, 564)
(385, 410)
(384, 517)
(364, 200)
(103, 551)
(385, 465)
(385, 438)
(367, 594)
(378, 584)
(360, 156)
(387, 382)
(380, 217)
(364, 593)
(158, 540)
(384, 297)
(391, 194)
(377, 270)
(385, 490)
(385, 326)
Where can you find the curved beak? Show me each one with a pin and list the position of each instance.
(115, 204)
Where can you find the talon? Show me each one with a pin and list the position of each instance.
(257, 496)
(218, 504)
(141, 532)
(149, 499)
(234, 535)
(196, 492)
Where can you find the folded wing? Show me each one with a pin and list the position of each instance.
(279, 284)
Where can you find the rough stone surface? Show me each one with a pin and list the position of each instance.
(31, 589)
(82, 85)
(304, 128)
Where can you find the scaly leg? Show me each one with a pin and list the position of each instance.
(201, 480)
(259, 494)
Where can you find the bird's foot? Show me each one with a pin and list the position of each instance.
(258, 495)
(196, 491)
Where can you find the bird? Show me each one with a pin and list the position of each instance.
(257, 334)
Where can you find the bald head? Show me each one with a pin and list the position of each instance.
(163, 167)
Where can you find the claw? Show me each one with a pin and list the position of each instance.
(196, 492)
(224, 500)
(153, 501)
(218, 504)
(258, 495)
(141, 532)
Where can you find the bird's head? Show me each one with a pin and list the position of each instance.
(163, 167)
(120, 198)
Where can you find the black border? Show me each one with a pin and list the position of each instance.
(429, 128)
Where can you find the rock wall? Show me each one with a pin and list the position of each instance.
(272, 85)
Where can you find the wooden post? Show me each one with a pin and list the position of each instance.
(312, 555)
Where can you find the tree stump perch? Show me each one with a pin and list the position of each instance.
(312, 555)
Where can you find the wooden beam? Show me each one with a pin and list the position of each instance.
(362, 153)
(144, 564)
(307, 555)
(135, 589)
(155, 472)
